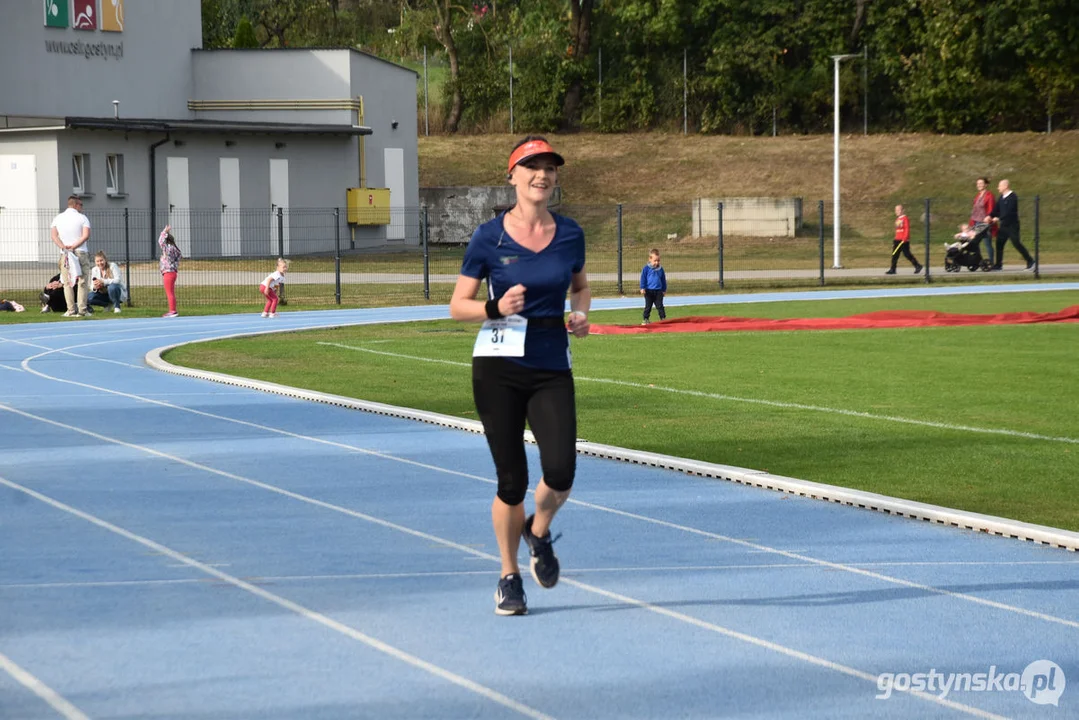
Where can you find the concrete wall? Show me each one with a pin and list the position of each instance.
(24, 235)
(152, 77)
(319, 167)
(389, 94)
(44, 147)
(280, 74)
(753, 216)
(453, 213)
(97, 144)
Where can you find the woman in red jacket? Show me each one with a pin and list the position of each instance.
(980, 213)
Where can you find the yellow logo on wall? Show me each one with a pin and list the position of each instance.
(112, 15)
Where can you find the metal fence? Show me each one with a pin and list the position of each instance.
(704, 248)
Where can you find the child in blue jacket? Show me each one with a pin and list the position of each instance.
(653, 286)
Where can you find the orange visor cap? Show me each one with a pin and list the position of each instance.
(531, 149)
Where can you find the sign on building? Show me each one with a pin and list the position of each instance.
(85, 14)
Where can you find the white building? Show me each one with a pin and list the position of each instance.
(117, 103)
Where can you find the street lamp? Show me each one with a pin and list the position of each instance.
(836, 59)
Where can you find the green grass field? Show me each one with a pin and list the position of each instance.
(982, 418)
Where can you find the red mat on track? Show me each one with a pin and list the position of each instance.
(881, 319)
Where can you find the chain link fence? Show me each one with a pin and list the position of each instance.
(705, 247)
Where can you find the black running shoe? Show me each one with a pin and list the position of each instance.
(917, 269)
(510, 596)
(544, 561)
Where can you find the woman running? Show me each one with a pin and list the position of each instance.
(530, 258)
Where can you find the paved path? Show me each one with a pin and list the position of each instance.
(33, 279)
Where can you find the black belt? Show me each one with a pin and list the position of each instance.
(547, 322)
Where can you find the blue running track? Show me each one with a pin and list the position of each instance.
(177, 548)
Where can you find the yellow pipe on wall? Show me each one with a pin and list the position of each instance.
(359, 139)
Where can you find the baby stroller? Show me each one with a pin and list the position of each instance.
(966, 253)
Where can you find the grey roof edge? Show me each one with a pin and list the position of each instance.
(202, 125)
(297, 49)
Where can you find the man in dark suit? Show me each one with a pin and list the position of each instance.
(1007, 219)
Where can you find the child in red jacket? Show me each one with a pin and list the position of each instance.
(902, 241)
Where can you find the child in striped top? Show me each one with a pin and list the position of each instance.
(170, 265)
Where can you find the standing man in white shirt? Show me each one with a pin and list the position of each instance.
(70, 230)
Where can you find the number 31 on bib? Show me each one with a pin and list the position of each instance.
(504, 337)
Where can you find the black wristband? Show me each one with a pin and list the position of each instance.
(492, 310)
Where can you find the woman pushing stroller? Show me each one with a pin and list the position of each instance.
(980, 213)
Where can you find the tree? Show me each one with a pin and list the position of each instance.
(217, 29)
(859, 20)
(444, 17)
(940, 65)
(580, 32)
(277, 18)
(245, 35)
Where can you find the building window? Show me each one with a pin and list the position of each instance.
(114, 174)
(80, 174)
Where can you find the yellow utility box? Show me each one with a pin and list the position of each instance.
(368, 206)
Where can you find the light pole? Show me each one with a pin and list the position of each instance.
(836, 59)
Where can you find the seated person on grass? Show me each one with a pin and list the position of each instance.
(107, 284)
(52, 297)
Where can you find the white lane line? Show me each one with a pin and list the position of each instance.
(456, 363)
(835, 566)
(753, 401)
(436, 468)
(574, 572)
(250, 326)
(101, 584)
(103, 360)
(946, 563)
(768, 645)
(128, 326)
(422, 664)
(136, 338)
(172, 334)
(233, 391)
(46, 395)
(43, 691)
(135, 335)
(177, 565)
(289, 605)
(8, 367)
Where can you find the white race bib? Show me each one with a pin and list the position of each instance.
(504, 337)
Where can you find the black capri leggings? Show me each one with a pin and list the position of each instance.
(506, 395)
